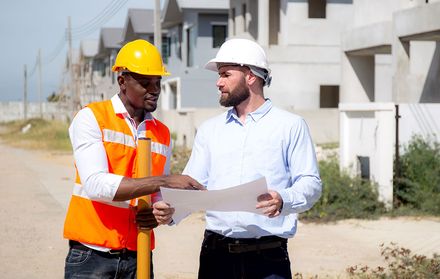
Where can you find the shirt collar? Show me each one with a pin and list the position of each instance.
(255, 115)
(119, 108)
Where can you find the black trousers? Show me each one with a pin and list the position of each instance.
(224, 257)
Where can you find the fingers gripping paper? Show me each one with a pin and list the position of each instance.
(238, 198)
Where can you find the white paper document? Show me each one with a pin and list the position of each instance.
(238, 198)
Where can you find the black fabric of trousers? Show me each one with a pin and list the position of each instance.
(216, 261)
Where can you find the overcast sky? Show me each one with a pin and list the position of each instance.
(27, 25)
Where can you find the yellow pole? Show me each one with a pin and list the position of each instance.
(143, 239)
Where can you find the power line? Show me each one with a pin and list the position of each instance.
(31, 73)
(102, 21)
(97, 22)
(57, 50)
(96, 18)
(86, 29)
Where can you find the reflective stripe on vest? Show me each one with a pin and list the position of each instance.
(112, 224)
(118, 137)
(78, 190)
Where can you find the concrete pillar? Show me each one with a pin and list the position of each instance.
(382, 172)
(368, 130)
(239, 19)
(401, 64)
(344, 138)
(284, 24)
(231, 21)
(357, 81)
(178, 94)
(263, 22)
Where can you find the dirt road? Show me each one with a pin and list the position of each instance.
(35, 188)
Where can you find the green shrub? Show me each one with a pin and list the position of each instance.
(343, 196)
(418, 186)
(402, 264)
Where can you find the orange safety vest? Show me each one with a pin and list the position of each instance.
(112, 224)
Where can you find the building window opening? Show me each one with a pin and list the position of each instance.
(166, 48)
(317, 8)
(364, 167)
(218, 35)
(329, 96)
(190, 47)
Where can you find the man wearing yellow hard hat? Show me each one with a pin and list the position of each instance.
(102, 220)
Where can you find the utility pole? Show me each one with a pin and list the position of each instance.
(157, 26)
(40, 84)
(72, 78)
(25, 94)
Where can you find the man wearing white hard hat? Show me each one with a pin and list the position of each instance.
(253, 139)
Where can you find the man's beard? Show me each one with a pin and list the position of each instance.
(235, 97)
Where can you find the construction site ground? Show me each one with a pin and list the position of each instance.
(35, 190)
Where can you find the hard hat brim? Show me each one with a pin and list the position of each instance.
(161, 73)
(212, 65)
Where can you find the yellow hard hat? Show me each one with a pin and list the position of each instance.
(140, 57)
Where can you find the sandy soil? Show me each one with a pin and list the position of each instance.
(35, 189)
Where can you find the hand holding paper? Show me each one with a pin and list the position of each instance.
(238, 198)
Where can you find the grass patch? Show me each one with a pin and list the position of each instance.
(179, 159)
(36, 133)
(330, 145)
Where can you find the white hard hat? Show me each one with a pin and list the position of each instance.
(241, 52)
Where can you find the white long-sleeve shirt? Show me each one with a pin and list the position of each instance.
(274, 144)
(90, 156)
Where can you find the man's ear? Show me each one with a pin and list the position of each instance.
(121, 82)
(251, 78)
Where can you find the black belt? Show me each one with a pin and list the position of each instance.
(243, 245)
(109, 254)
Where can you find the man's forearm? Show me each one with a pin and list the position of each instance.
(131, 188)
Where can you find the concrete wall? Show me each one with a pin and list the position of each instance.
(323, 123)
(418, 80)
(390, 54)
(372, 11)
(419, 119)
(10, 111)
(298, 72)
(308, 50)
(369, 130)
(308, 55)
(416, 54)
(308, 47)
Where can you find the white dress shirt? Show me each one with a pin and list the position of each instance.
(90, 156)
(272, 143)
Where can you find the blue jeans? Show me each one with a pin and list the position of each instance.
(89, 263)
(221, 257)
